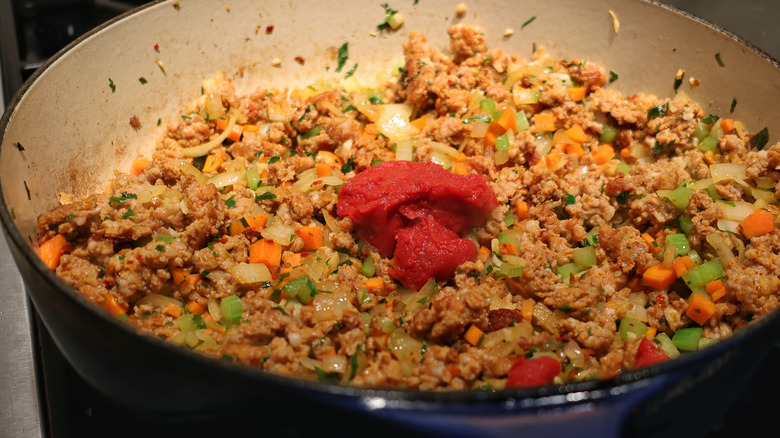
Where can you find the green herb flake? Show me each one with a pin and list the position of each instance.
(160, 248)
(142, 80)
(274, 159)
(678, 79)
(720, 61)
(612, 76)
(486, 60)
(342, 56)
(389, 12)
(733, 105)
(570, 199)
(658, 110)
(759, 140)
(529, 21)
(623, 197)
(111, 85)
(351, 72)
(266, 195)
(129, 213)
(231, 202)
(347, 166)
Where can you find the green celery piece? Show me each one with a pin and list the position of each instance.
(679, 240)
(488, 106)
(190, 322)
(680, 197)
(510, 271)
(700, 275)
(522, 121)
(505, 238)
(502, 142)
(667, 346)
(623, 167)
(608, 134)
(701, 131)
(302, 288)
(584, 257)
(708, 144)
(368, 267)
(566, 270)
(231, 309)
(687, 339)
(253, 178)
(509, 218)
(716, 131)
(706, 342)
(631, 325)
(713, 193)
(685, 224)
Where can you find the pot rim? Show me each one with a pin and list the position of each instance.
(406, 398)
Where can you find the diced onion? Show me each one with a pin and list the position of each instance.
(212, 106)
(250, 273)
(701, 184)
(157, 301)
(479, 128)
(277, 113)
(502, 342)
(575, 354)
(543, 144)
(726, 171)
(150, 193)
(546, 318)
(279, 233)
(446, 149)
(330, 306)
(404, 150)
(525, 96)
(191, 170)
(722, 247)
(309, 179)
(441, 159)
(201, 150)
(737, 212)
(334, 363)
(765, 182)
(227, 178)
(727, 225)
(637, 309)
(393, 122)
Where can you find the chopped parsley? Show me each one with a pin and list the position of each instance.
(129, 213)
(231, 202)
(529, 21)
(623, 197)
(142, 80)
(678, 81)
(612, 76)
(274, 159)
(342, 56)
(759, 140)
(266, 195)
(111, 85)
(118, 200)
(347, 166)
(312, 132)
(658, 110)
(389, 12)
(720, 61)
(733, 105)
(570, 199)
(351, 72)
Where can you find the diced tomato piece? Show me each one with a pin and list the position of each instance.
(539, 371)
(648, 353)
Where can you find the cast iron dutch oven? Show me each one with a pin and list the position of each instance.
(67, 130)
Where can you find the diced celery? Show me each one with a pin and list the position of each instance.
(631, 325)
(685, 224)
(584, 257)
(687, 339)
(679, 240)
(608, 134)
(363, 296)
(510, 271)
(386, 324)
(302, 288)
(488, 106)
(706, 342)
(700, 275)
(190, 322)
(506, 238)
(368, 267)
(623, 167)
(509, 218)
(566, 270)
(667, 346)
(502, 142)
(708, 144)
(231, 309)
(253, 178)
(702, 131)
(522, 121)
(716, 131)
(680, 197)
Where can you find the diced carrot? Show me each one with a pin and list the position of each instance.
(713, 285)
(756, 224)
(172, 310)
(260, 220)
(311, 236)
(235, 132)
(727, 125)
(139, 164)
(375, 285)
(575, 148)
(370, 131)
(292, 258)
(180, 277)
(194, 307)
(603, 153)
(681, 265)
(651, 332)
(625, 152)
(213, 161)
(420, 123)
(659, 276)
(527, 309)
(324, 170)
(576, 93)
(718, 294)
(522, 209)
(473, 335)
(552, 158)
(327, 157)
(460, 169)
(509, 248)
(113, 305)
(246, 223)
(266, 252)
(483, 253)
(652, 245)
(544, 122)
(576, 134)
(251, 128)
(700, 309)
(285, 185)
(52, 250)
(507, 121)
(221, 124)
(490, 138)
(212, 325)
(453, 369)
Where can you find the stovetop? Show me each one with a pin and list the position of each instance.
(42, 396)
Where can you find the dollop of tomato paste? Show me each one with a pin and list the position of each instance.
(417, 212)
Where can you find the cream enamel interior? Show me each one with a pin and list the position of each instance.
(74, 130)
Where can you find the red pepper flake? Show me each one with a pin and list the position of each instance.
(300, 60)
(156, 47)
(134, 122)
(269, 29)
(176, 5)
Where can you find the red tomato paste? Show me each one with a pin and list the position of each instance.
(534, 372)
(648, 354)
(417, 213)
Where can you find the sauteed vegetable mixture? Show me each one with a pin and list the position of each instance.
(478, 221)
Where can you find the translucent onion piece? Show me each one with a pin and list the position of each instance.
(502, 157)
(157, 301)
(201, 150)
(502, 342)
(420, 299)
(235, 166)
(543, 144)
(546, 318)
(721, 246)
(212, 107)
(330, 306)
(214, 310)
(191, 170)
(574, 353)
(701, 184)
(448, 150)
(525, 96)
(737, 212)
(227, 178)
(330, 221)
(279, 233)
(278, 114)
(637, 310)
(441, 159)
(361, 102)
(250, 273)
(334, 364)
(726, 171)
(479, 128)
(150, 193)
(727, 225)
(393, 122)
(404, 150)
(309, 180)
